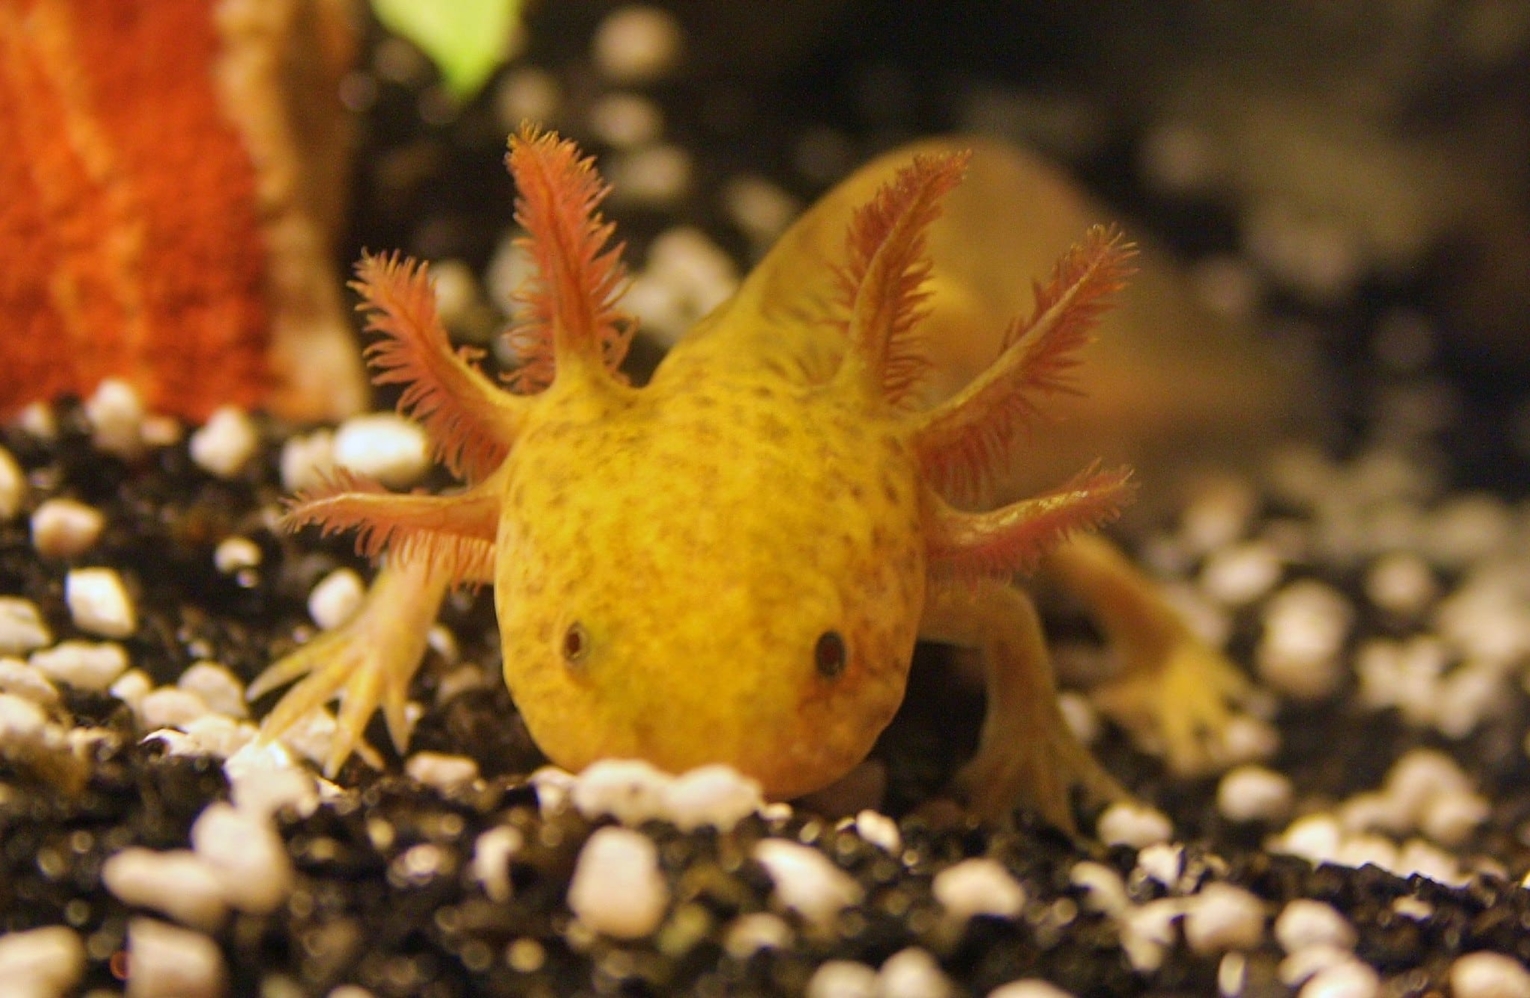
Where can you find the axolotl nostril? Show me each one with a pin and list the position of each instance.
(732, 563)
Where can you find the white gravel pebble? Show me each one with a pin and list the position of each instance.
(225, 444)
(22, 723)
(218, 735)
(1305, 625)
(307, 460)
(492, 852)
(651, 176)
(526, 94)
(131, 686)
(1350, 979)
(617, 888)
(22, 627)
(169, 707)
(1450, 818)
(13, 486)
(623, 120)
(880, 830)
(1401, 583)
(99, 602)
(42, 963)
(637, 44)
(749, 933)
(1147, 931)
(383, 446)
(218, 687)
(65, 528)
(1133, 824)
(759, 208)
(1303, 964)
(806, 881)
(684, 276)
(446, 773)
(235, 553)
(336, 598)
(20, 679)
(177, 883)
(842, 979)
(1488, 975)
(164, 960)
(912, 973)
(86, 665)
(247, 856)
(1254, 793)
(264, 778)
(1242, 573)
(1163, 861)
(116, 416)
(1224, 917)
(1304, 923)
(717, 796)
(630, 790)
(1420, 776)
(1104, 890)
(979, 886)
(1029, 987)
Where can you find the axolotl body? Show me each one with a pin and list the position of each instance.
(733, 562)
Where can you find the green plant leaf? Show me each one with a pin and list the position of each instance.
(466, 39)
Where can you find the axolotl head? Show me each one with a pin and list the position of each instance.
(715, 571)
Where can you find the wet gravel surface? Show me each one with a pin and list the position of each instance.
(1390, 779)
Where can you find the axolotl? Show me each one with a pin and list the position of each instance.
(733, 562)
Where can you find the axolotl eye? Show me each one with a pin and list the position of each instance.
(576, 643)
(829, 655)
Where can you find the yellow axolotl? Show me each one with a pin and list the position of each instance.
(733, 562)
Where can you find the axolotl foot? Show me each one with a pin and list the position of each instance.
(368, 662)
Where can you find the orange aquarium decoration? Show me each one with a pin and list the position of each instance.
(136, 232)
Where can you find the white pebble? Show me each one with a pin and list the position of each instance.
(717, 796)
(307, 461)
(617, 888)
(912, 973)
(1350, 979)
(169, 707)
(553, 788)
(21, 626)
(246, 855)
(164, 960)
(219, 688)
(383, 446)
(806, 881)
(446, 773)
(235, 553)
(264, 778)
(749, 933)
(1305, 626)
(1304, 923)
(13, 486)
(1420, 858)
(116, 414)
(225, 444)
(1303, 964)
(1104, 890)
(623, 120)
(759, 208)
(37, 420)
(492, 852)
(177, 883)
(978, 887)
(1029, 987)
(1224, 917)
(22, 722)
(1314, 837)
(1242, 573)
(1450, 818)
(99, 602)
(65, 528)
(684, 277)
(1488, 975)
(1401, 583)
(1130, 823)
(880, 830)
(630, 790)
(1469, 528)
(131, 686)
(651, 176)
(1162, 861)
(526, 94)
(42, 963)
(1254, 793)
(637, 44)
(842, 979)
(85, 665)
(1079, 715)
(20, 679)
(1419, 777)
(1147, 931)
(336, 598)
(456, 288)
(217, 735)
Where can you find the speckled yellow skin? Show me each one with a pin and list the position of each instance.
(705, 531)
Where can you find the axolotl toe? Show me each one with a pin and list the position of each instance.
(732, 563)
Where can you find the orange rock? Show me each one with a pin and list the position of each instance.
(136, 231)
